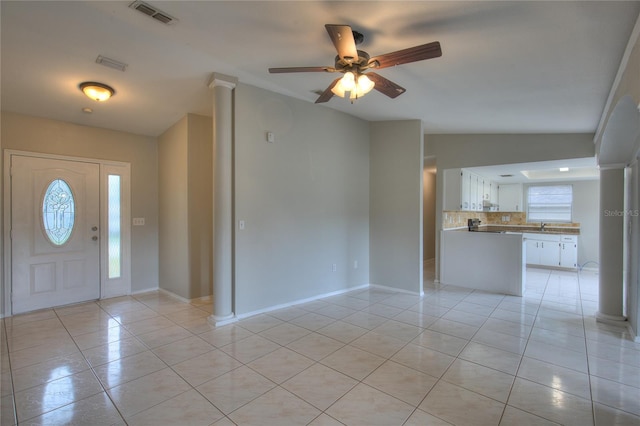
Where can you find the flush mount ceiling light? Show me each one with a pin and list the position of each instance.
(96, 91)
(564, 169)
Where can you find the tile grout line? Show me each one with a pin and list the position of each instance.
(13, 393)
(91, 367)
(386, 358)
(515, 376)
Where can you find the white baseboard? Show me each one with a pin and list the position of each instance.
(145, 290)
(398, 290)
(634, 335)
(175, 296)
(180, 298)
(300, 301)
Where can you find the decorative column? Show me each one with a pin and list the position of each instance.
(223, 86)
(611, 274)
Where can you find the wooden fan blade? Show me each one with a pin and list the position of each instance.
(412, 54)
(385, 86)
(342, 38)
(300, 69)
(327, 94)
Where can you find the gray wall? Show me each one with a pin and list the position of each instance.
(173, 209)
(453, 151)
(200, 158)
(185, 180)
(396, 204)
(304, 200)
(25, 133)
(185, 158)
(429, 215)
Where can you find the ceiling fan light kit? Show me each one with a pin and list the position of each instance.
(356, 88)
(353, 62)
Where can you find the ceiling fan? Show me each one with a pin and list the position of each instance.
(353, 62)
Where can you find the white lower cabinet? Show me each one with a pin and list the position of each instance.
(543, 249)
(569, 251)
(552, 250)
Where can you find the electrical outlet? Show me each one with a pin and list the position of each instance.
(355, 264)
(334, 267)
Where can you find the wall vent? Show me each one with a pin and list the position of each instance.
(153, 12)
(506, 176)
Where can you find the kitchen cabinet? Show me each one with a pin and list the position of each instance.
(479, 192)
(463, 190)
(569, 251)
(473, 191)
(453, 189)
(493, 193)
(542, 249)
(551, 250)
(510, 197)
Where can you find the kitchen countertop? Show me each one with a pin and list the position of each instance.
(522, 229)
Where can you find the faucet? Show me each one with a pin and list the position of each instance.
(542, 225)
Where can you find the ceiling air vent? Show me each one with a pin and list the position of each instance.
(111, 63)
(506, 176)
(152, 12)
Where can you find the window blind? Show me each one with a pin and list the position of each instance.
(549, 203)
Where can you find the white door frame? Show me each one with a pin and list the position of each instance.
(108, 287)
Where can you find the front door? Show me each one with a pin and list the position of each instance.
(55, 246)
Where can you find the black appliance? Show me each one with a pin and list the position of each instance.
(473, 224)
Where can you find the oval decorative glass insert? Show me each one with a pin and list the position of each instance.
(58, 212)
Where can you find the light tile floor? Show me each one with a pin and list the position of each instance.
(368, 357)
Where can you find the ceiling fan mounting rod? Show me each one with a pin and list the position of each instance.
(349, 64)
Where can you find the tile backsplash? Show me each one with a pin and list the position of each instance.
(458, 219)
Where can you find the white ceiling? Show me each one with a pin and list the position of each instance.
(507, 67)
(541, 172)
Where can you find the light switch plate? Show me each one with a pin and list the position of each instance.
(138, 221)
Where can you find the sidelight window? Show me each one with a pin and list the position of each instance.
(113, 224)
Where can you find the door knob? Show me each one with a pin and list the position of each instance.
(95, 228)
(94, 238)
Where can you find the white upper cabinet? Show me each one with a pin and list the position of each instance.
(452, 197)
(510, 197)
(493, 193)
(466, 191)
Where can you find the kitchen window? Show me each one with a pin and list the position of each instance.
(549, 203)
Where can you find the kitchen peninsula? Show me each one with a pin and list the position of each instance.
(494, 258)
